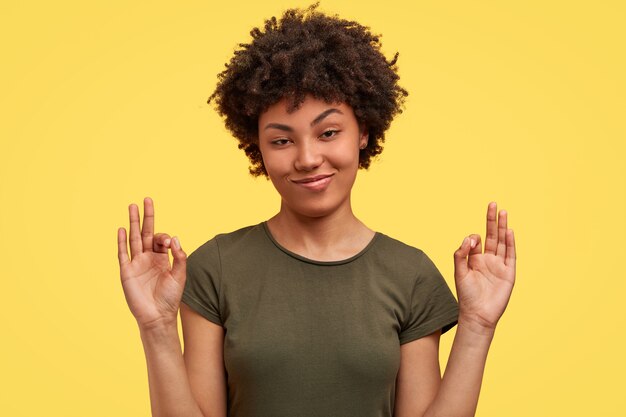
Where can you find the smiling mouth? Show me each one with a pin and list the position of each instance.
(316, 183)
(311, 179)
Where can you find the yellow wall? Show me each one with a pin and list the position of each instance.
(103, 103)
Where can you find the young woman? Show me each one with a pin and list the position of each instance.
(312, 313)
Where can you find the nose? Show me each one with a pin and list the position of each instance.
(309, 157)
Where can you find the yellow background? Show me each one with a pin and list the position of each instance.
(103, 103)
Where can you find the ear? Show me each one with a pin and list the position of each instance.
(363, 138)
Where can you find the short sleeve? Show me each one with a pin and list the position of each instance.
(432, 305)
(202, 287)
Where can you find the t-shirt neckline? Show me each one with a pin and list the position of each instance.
(313, 261)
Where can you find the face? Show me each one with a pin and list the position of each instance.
(312, 154)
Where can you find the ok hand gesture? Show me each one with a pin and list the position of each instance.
(152, 288)
(484, 281)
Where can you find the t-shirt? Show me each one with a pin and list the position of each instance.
(308, 338)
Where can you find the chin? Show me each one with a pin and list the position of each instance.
(314, 209)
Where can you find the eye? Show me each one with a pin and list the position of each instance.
(280, 142)
(330, 133)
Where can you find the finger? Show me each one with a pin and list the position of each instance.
(122, 248)
(475, 249)
(476, 246)
(161, 242)
(491, 238)
(510, 249)
(460, 258)
(135, 238)
(179, 265)
(501, 248)
(147, 230)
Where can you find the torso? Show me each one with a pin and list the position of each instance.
(307, 337)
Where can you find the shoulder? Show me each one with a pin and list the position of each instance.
(225, 243)
(398, 252)
(407, 263)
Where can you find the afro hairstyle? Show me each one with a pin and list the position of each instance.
(307, 52)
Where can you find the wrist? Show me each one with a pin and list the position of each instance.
(476, 325)
(162, 338)
(160, 325)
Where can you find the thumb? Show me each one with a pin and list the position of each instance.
(460, 258)
(179, 265)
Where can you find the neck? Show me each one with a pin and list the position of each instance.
(335, 236)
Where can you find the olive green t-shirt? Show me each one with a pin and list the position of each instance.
(306, 338)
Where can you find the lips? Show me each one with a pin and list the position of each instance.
(314, 183)
(311, 179)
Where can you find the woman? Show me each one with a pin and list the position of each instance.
(312, 313)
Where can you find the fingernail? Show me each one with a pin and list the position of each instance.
(176, 243)
(167, 242)
(472, 243)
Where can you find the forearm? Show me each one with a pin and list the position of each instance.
(170, 392)
(460, 386)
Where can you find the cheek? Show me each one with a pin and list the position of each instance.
(277, 169)
(267, 159)
(277, 181)
(274, 165)
(347, 158)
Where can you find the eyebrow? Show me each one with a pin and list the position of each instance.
(315, 121)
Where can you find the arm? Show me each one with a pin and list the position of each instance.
(153, 289)
(189, 385)
(460, 386)
(170, 391)
(484, 283)
(204, 361)
(420, 391)
(419, 376)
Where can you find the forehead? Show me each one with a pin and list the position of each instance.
(308, 110)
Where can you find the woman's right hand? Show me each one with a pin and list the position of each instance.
(152, 288)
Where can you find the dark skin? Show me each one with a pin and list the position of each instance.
(322, 148)
(255, 80)
(152, 287)
(322, 55)
(484, 283)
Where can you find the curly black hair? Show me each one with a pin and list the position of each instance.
(308, 52)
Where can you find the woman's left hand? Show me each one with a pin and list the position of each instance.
(484, 281)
